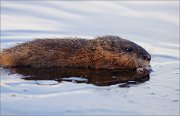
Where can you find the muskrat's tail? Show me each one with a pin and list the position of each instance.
(5, 60)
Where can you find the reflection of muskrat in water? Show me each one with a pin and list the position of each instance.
(106, 52)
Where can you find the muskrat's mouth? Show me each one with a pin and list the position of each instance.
(143, 67)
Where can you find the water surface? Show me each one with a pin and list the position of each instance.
(152, 24)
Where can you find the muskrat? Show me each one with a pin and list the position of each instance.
(104, 52)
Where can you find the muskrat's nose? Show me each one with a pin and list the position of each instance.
(147, 57)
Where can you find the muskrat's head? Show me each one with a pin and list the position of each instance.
(124, 53)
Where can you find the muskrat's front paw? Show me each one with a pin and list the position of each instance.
(144, 70)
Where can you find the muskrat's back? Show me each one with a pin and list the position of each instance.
(107, 52)
(48, 53)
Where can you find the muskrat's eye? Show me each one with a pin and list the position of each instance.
(129, 49)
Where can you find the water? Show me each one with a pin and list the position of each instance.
(99, 77)
(153, 25)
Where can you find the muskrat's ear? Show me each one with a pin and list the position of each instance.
(107, 45)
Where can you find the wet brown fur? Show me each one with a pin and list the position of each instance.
(104, 52)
